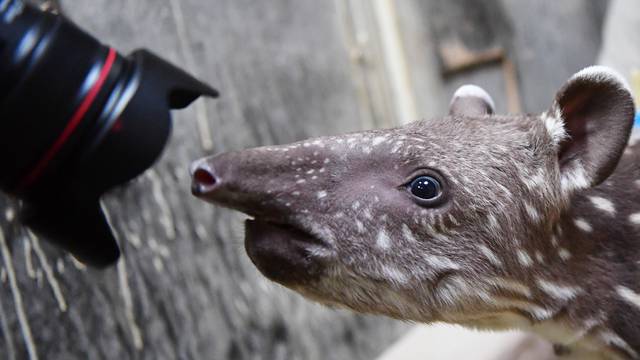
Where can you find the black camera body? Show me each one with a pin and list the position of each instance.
(77, 119)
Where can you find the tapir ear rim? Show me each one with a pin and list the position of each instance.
(590, 123)
(470, 100)
(601, 73)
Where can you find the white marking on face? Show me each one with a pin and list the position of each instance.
(612, 338)
(564, 254)
(318, 251)
(490, 255)
(583, 225)
(408, 234)
(394, 274)
(629, 295)
(382, 240)
(557, 291)
(321, 194)
(538, 312)
(511, 285)
(378, 140)
(603, 204)
(441, 263)
(635, 218)
(493, 222)
(554, 240)
(532, 212)
(524, 258)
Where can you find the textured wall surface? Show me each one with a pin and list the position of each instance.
(185, 288)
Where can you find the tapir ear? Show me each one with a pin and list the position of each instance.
(471, 100)
(590, 122)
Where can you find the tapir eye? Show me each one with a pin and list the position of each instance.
(425, 188)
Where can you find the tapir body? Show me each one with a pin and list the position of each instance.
(488, 221)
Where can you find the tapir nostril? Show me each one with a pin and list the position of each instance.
(204, 177)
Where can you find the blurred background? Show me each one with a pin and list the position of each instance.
(287, 70)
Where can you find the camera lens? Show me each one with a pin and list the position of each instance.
(76, 119)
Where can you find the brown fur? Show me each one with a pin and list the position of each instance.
(525, 234)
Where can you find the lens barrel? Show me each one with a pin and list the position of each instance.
(76, 119)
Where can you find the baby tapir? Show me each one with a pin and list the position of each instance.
(489, 221)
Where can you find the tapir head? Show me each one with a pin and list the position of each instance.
(418, 222)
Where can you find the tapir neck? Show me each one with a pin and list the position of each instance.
(597, 243)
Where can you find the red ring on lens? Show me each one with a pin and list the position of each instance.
(73, 123)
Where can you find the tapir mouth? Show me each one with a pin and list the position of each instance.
(282, 252)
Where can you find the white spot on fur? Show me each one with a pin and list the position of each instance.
(511, 285)
(613, 339)
(360, 226)
(301, 181)
(564, 254)
(603, 204)
(554, 125)
(378, 140)
(321, 194)
(493, 222)
(408, 234)
(574, 179)
(583, 225)
(489, 254)
(319, 251)
(394, 274)
(524, 258)
(557, 291)
(539, 257)
(629, 295)
(296, 193)
(635, 218)
(382, 240)
(441, 263)
(536, 181)
(554, 240)
(532, 212)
